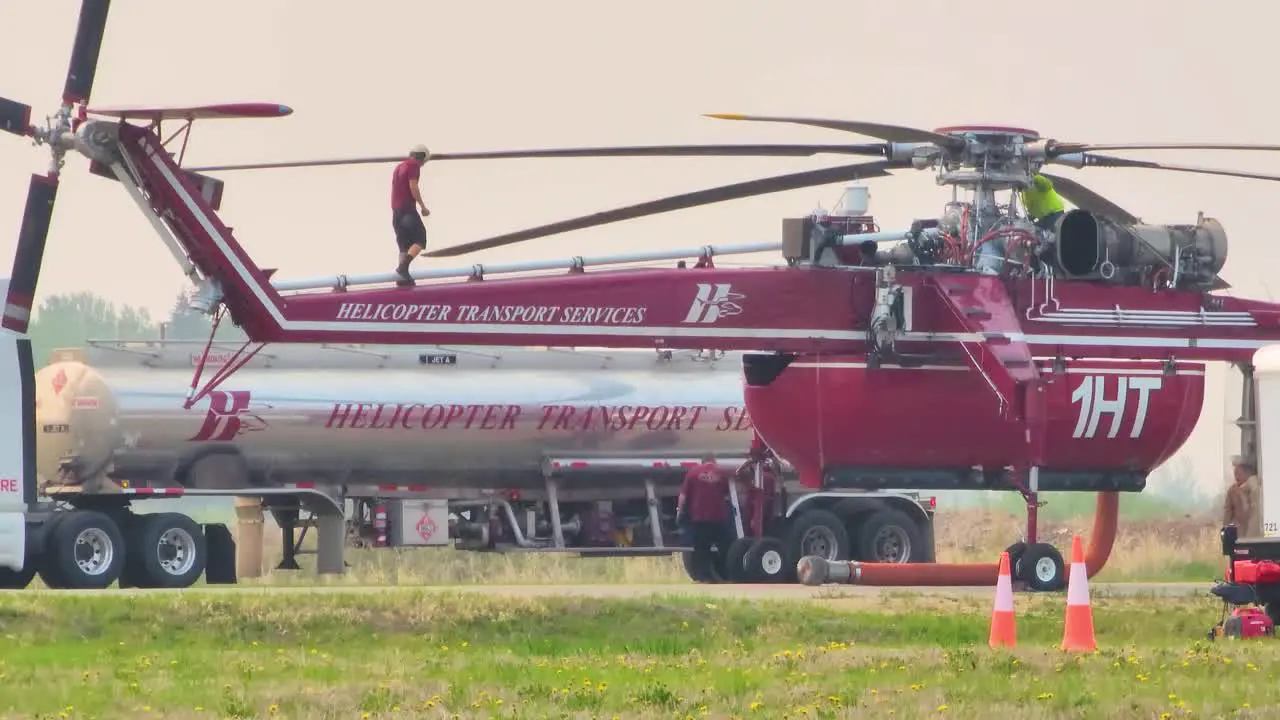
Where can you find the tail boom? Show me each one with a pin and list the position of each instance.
(811, 310)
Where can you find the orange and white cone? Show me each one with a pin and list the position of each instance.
(1003, 633)
(1077, 633)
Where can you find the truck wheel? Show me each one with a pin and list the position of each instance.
(18, 579)
(735, 560)
(815, 532)
(766, 560)
(889, 536)
(85, 551)
(166, 550)
(1041, 567)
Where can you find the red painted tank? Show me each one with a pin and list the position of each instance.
(1105, 418)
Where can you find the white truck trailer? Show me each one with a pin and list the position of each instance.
(491, 449)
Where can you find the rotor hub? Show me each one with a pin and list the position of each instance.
(990, 133)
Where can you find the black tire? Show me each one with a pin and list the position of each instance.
(889, 536)
(166, 550)
(1015, 553)
(766, 561)
(735, 567)
(87, 535)
(18, 579)
(220, 548)
(797, 545)
(1041, 567)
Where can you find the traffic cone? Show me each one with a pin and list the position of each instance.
(1002, 622)
(1077, 633)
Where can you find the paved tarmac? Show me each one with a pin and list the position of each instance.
(761, 592)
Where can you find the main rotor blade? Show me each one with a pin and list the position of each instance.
(84, 53)
(763, 186)
(1086, 199)
(14, 116)
(1059, 148)
(26, 260)
(872, 149)
(890, 133)
(1091, 159)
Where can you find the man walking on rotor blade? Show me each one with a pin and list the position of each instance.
(406, 204)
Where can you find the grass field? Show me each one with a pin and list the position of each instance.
(407, 653)
(1149, 548)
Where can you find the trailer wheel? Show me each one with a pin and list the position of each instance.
(166, 550)
(815, 532)
(889, 536)
(766, 560)
(735, 565)
(1042, 568)
(18, 579)
(85, 551)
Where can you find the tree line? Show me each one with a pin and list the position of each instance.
(71, 320)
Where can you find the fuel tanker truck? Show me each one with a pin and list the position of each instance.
(481, 448)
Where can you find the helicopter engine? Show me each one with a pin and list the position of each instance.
(1091, 246)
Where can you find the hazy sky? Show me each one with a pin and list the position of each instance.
(486, 75)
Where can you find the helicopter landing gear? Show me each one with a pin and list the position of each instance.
(1039, 565)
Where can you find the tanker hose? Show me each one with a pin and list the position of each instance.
(814, 570)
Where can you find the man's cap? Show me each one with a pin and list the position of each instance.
(420, 149)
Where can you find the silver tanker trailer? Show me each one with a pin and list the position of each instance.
(569, 450)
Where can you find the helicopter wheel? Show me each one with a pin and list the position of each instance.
(1042, 568)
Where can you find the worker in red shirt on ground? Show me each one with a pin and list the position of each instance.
(406, 204)
(704, 502)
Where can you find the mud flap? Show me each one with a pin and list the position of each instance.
(17, 447)
(220, 545)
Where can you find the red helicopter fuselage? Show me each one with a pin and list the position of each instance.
(1115, 372)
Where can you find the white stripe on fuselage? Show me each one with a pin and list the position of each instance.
(1090, 370)
(273, 310)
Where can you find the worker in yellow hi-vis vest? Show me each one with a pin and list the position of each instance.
(1042, 203)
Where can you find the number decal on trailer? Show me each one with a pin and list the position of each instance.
(1092, 397)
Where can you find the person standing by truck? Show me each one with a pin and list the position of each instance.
(703, 504)
(1242, 506)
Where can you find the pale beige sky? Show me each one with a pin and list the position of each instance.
(490, 75)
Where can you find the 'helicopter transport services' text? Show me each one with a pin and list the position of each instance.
(515, 314)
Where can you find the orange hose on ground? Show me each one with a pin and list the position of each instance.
(1106, 521)
(819, 571)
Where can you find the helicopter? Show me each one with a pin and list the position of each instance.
(971, 350)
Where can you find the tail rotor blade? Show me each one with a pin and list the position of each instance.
(763, 186)
(84, 54)
(26, 261)
(14, 117)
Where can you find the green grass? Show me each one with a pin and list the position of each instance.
(413, 653)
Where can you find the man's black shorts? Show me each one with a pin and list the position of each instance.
(409, 228)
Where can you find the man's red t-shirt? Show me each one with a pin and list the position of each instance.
(706, 490)
(405, 173)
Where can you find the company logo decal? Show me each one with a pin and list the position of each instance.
(228, 417)
(714, 301)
